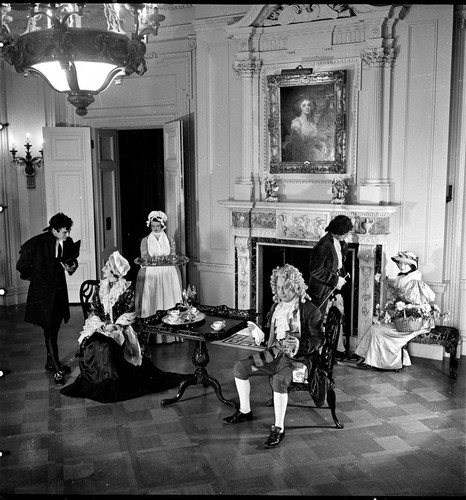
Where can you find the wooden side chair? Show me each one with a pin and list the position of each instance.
(320, 383)
(86, 291)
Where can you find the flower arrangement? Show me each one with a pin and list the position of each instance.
(271, 188)
(339, 191)
(397, 308)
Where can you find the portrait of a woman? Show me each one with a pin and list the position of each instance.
(310, 131)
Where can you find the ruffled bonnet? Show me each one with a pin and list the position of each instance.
(119, 266)
(157, 215)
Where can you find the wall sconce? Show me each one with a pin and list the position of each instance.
(28, 162)
(3, 125)
(2, 208)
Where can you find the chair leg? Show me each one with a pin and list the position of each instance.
(453, 363)
(332, 400)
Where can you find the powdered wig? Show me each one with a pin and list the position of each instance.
(341, 224)
(293, 280)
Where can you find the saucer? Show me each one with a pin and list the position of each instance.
(217, 329)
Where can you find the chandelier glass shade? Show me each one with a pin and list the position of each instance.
(81, 62)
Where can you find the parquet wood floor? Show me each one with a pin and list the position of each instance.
(404, 432)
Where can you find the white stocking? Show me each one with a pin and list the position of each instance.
(244, 388)
(280, 402)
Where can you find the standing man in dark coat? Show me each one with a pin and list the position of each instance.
(328, 257)
(327, 267)
(43, 261)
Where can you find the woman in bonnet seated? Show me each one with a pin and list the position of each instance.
(382, 346)
(158, 288)
(110, 361)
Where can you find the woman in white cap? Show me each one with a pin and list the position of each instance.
(382, 346)
(110, 361)
(158, 287)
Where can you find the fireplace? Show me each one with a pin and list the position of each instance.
(267, 233)
(267, 254)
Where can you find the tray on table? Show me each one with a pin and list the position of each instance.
(182, 320)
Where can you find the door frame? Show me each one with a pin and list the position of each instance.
(123, 123)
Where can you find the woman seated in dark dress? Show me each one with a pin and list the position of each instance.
(111, 365)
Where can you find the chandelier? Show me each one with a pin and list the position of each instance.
(79, 61)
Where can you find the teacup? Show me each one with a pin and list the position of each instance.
(218, 325)
(174, 314)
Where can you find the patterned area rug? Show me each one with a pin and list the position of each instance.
(241, 340)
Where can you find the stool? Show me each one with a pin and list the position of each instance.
(445, 336)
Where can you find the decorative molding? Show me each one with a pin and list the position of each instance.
(192, 40)
(273, 44)
(347, 35)
(460, 15)
(285, 14)
(247, 68)
(243, 254)
(378, 57)
(301, 226)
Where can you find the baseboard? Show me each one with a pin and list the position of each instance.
(430, 351)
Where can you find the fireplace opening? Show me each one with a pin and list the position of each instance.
(269, 254)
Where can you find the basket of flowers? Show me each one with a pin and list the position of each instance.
(405, 316)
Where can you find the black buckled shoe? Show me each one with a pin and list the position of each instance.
(275, 438)
(59, 378)
(237, 418)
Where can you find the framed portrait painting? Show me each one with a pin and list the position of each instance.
(307, 122)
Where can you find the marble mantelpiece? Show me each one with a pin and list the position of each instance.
(305, 223)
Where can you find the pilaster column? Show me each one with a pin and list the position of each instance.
(455, 244)
(243, 259)
(375, 99)
(366, 256)
(249, 72)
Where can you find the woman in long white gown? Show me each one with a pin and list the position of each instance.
(158, 287)
(382, 346)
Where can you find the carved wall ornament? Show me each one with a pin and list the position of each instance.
(378, 57)
(300, 226)
(302, 13)
(192, 41)
(339, 191)
(271, 188)
(241, 219)
(367, 224)
(262, 219)
(247, 68)
(460, 12)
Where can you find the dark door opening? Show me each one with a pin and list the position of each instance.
(141, 187)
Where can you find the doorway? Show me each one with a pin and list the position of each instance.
(141, 165)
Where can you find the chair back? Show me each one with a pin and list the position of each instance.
(86, 292)
(332, 330)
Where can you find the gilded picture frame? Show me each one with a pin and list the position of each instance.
(307, 122)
